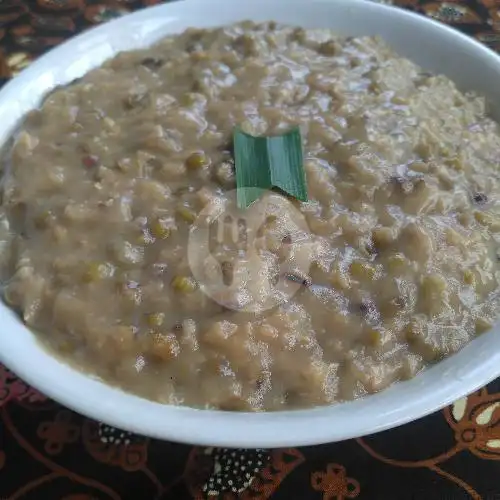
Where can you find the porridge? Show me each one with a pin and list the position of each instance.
(103, 184)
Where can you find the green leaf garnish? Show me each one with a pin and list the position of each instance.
(264, 163)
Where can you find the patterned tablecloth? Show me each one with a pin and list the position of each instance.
(48, 452)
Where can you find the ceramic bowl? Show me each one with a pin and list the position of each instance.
(434, 46)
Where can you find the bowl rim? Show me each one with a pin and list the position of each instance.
(431, 390)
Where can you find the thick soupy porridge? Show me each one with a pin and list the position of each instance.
(104, 182)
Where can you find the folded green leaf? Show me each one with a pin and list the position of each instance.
(264, 163)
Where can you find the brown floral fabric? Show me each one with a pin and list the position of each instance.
(49, 452)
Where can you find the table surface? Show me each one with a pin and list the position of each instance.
(49, 452)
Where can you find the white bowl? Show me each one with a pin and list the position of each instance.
(432, 45)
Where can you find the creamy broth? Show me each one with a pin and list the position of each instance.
(104, 182)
